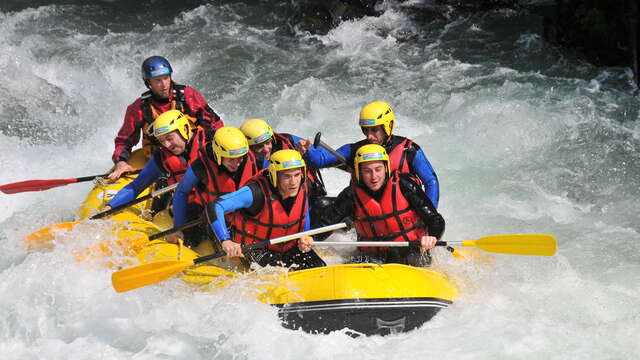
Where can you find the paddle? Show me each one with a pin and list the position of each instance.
(317, 141)
(40, 185)
(133, 202)
(175, 229)
(157, 271)
(514, 244)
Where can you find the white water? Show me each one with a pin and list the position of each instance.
(523, 138)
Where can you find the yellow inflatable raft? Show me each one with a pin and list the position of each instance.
(364, 298)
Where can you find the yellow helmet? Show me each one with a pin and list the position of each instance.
(378, 113)
(257, 131)
(229, 142)
(370, 152)
(285, 160)
(169, 121)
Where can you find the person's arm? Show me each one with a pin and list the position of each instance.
(129, 133)
(422, 167)
(186, 185)
(147, 176)
(201, 109)
(342, 208)
(239, 199)
(413, 192)
(321, 158)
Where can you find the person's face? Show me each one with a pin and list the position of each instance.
(374, 134)
(232, 164)
(161, 86)
(373, 174)
(173, 142)
(289, 182)
(263, 148)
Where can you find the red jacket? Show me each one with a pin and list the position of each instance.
(134, 119)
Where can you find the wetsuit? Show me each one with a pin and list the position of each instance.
(412, 160)
(346, 206)
(250, 203)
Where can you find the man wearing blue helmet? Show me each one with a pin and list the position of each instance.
(163, 95)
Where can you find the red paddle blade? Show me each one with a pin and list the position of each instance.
(34, 185)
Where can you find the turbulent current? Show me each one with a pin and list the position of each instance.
(524, 137)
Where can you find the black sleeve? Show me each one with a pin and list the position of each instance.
(423, 206)
(258, 199)
(341, 209)
(411, 151)
(199, 170)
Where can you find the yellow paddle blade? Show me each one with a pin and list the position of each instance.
(41, 239)
(516, 244)
(147, 274)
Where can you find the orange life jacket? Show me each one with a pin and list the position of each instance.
(272, 221)
(150, 113)
(390, 219)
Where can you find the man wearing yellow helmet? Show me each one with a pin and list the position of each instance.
(163, 95)
(273, 204)
(386, 205)
(377, 122)
(224, 165)
(263, 141)
(180, 147)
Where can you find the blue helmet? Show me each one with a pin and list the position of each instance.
(155, 66)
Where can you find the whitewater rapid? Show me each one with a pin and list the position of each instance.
(524, 139)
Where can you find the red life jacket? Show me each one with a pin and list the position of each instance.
(218, 181)
(398, 156)
(390, 219)
(176, 165)
(272, 221)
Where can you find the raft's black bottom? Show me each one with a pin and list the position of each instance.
(362, 316)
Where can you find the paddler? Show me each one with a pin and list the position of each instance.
(387, 205)
(264, 141)
(273, 204)
(179, 147)
(223, 166)
(163, 95)
(377, 122)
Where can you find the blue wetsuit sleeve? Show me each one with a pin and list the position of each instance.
(147, 176)
(423, 168)
(240, 199)
(321, 158)
(186, 185)
(295, 139)
(307, 220)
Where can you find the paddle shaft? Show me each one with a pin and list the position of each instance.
(175, 229)
(40, 185)
(133, 202)
(274, 241)
(374, 243)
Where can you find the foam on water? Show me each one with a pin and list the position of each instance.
(523, 139)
